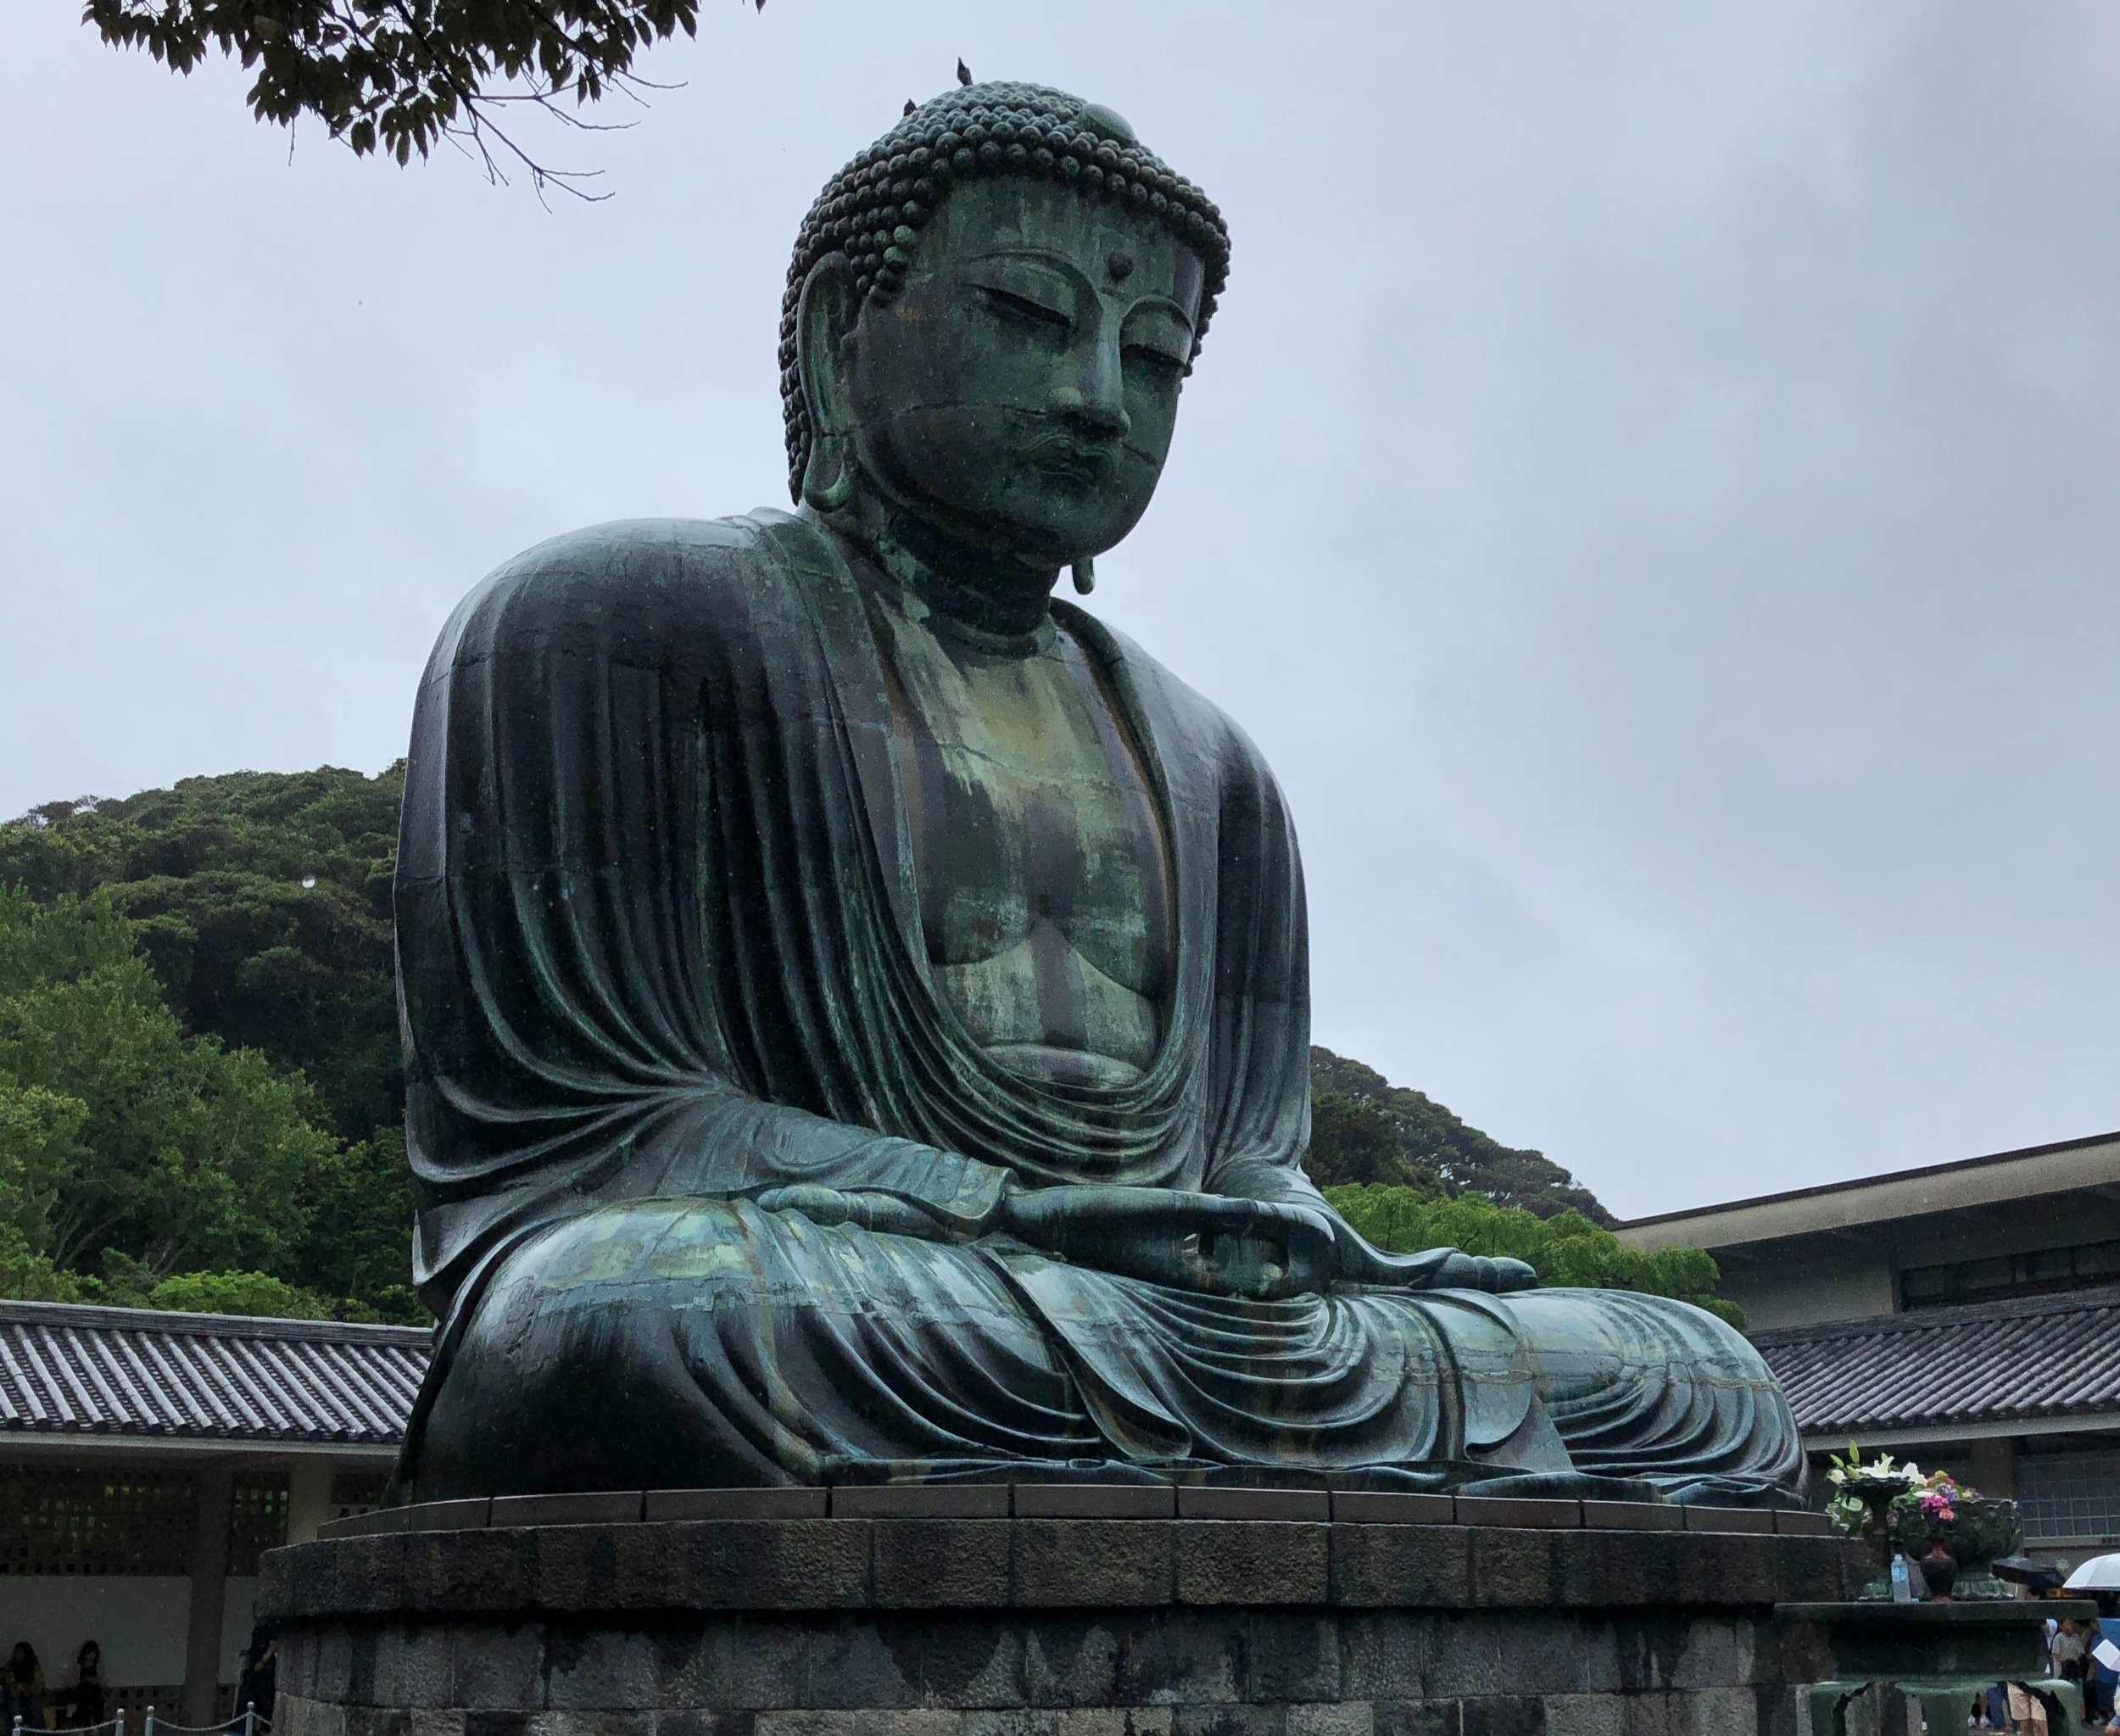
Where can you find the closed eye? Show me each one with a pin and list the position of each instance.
(1158, 362)
(1023, 310)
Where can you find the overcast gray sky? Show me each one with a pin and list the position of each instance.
(1646, 490)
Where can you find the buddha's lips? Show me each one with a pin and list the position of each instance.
(1071, 461)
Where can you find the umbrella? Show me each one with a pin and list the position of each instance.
(2022, 1570)
(2099, 1573)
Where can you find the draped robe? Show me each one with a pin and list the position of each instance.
(660, 951)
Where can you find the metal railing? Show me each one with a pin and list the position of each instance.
(246, 1723)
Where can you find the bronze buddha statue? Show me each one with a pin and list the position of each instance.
(856, 1005)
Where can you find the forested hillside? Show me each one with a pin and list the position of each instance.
(261, 900)
(200, 1088)
(200, 1091)
(1364, 1129)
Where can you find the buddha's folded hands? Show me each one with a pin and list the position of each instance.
(1255, 1248)
(1171, 1236)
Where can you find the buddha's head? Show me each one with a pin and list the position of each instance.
(989, 317)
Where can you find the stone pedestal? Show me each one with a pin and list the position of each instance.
(1922, 1664)
(889, 1616)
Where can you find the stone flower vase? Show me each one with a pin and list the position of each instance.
(1981, 1528)
(1880, 1528)
(1986, 1528)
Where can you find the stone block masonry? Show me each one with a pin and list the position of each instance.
(941, 1625)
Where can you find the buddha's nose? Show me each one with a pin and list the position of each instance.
(1094, 401)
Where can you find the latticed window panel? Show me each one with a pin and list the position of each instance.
(73, 1519)
(2070, 1495)
(2046, 1271)
(357, 1491)
(257, 1519)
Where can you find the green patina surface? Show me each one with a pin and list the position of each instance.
(857, 1006)
(1037, 846)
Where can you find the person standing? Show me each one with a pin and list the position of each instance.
(22, 1681)
(2065, 1649)
(256, 1688)
(2100, 1678)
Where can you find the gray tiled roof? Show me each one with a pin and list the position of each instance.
(2037, 1356)
(72, 1370)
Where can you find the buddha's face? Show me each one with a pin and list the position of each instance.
(1019, 391)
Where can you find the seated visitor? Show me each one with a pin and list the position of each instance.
(856, 1006)
(84, 1694)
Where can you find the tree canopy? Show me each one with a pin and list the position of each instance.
(399, 76)
(261, 900)
(201, 1091)
(199, 1072)
(1563, 1248)
(1364, 1129)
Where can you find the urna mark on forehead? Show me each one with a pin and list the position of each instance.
(1126, 257)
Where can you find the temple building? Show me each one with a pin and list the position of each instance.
(1966, 1315)
(147, 1460)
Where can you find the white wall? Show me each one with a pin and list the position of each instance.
(139, 1620)
(1810, 1280)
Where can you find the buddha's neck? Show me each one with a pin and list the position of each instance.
(975, 588)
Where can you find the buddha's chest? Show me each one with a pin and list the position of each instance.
(1038, 852)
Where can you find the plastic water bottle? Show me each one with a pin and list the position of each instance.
(1902, 1590)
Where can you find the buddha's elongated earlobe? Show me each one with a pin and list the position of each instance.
(826, 314)
(827, 477)
(1084, 571)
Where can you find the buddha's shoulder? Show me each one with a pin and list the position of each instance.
(615, 581)
(1192, 724)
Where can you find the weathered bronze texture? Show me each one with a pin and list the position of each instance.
(856, 1005)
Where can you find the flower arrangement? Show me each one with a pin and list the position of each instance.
(1937, 1500)
(1896, 1506)
(1863, 1494)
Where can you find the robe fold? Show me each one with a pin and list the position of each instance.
(659, 953)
